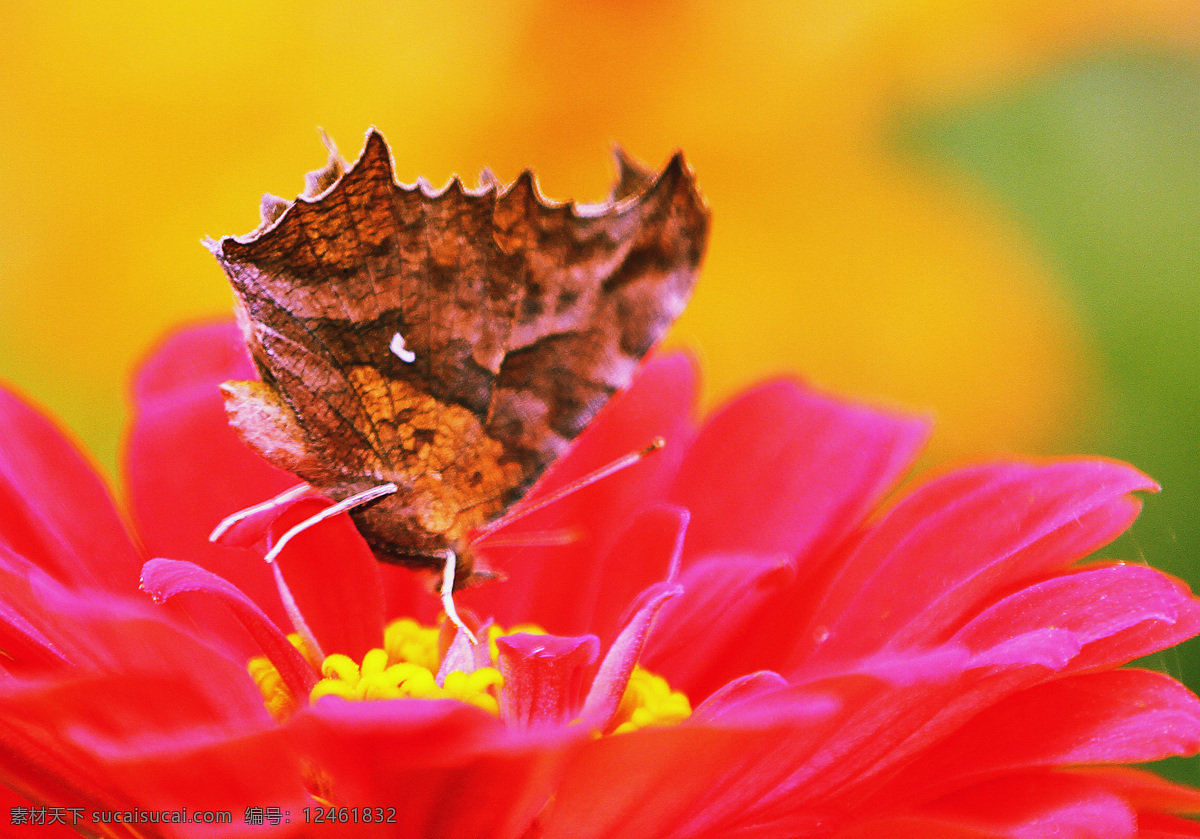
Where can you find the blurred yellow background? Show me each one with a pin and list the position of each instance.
(132, 130)
(981, 209)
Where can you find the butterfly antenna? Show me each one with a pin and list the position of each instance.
(590, 478)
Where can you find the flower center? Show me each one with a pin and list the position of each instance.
(407, 667)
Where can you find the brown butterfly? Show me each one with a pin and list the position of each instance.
(447, 346)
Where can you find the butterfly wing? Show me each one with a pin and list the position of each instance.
(516, 321)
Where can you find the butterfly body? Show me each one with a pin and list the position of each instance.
(453, 344)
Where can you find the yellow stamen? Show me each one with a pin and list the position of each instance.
(407, 664)
(278, 700)
(479, 688)
(407, 640)
(649, 701)
(374, 663)
(341, 667)
(332, 687)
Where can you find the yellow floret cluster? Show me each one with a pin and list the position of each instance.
(407, 665)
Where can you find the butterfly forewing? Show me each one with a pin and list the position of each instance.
(517, 321)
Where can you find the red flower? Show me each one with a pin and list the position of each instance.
(943, 668)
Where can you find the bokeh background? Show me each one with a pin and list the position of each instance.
(986, 210)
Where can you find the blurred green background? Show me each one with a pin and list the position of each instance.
(986, 210)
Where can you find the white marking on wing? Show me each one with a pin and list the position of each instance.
(397, 347)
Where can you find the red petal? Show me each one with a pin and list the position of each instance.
(146, 715)
(648, 553)
(1145, 790)
(1030, 806)
(684, 781)
(1039, 805)
(914, 827)
(144, 741)
(334, 578)
(760, 703)
(166, 578)
(1116, 716)
(1118, 613)
(408, 594)
(785, 469)
(1158, 826)
(55, 509)
(952, 545)
(13, 803)
(27, 630)
(445, 769)
(895, 706)
(543, 677)
(611, 679)
(762, 767)
(563, 588)
(100, 632)
(135, 679)
(186, 469)
(742, 689)
(714, 632)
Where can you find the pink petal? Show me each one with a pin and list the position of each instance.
(716, 631)
(1158, 826)
(100, 632)
(447, 769)
(896, 705)
(953, 544)
(143, 741)
(54, 508)
(1145, 790)
(691, 781)
(543, 677)
(683, 781)
(186, 469)
(166, 578)
(914, 827)
(759, 703)
(1031, 806)
(611, 679)
(563, 588)
(334, 578)
(743, 689)
(648, 552)
(1039, 805)
(11, 802)
(787, 470)
(1118, 613)
(26, 630)
(1116, 716)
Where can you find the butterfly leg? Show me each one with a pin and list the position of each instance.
(285, 593)
(448, 596)
(340, 507)
(233, 518)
